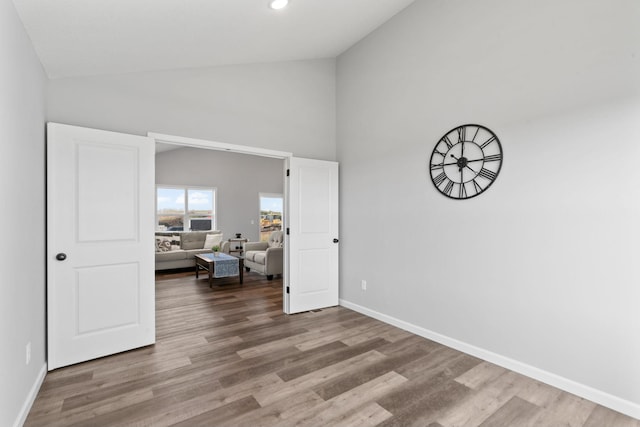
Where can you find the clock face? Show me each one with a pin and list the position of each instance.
(466, 161)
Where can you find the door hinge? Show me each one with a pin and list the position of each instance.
(287, 231)
(287, 289)
(287, 172)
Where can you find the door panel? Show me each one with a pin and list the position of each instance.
(107, 297)
(313, 226)
(100, 214)
(96, 195)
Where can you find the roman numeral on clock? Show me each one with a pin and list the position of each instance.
(437, 166)
(488, 141)
(475, 134)
(477, 187)
(439, 179)
(486, 173)
(463, 191)
(448, 188)
(446, 140)
(461, 133)
(493, 158)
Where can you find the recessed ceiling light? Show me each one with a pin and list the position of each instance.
(278, 4)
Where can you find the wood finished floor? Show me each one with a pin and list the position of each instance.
(227, 356)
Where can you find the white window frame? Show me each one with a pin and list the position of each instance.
(186, 217)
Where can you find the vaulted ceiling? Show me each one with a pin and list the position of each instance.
(80, 37)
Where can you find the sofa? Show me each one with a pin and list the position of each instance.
(265, 257)
(178, 249)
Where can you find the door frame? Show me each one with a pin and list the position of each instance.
(253, 151)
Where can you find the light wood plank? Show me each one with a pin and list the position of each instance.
(228, 356)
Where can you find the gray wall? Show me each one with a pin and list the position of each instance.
(239, 178)
(22, 186)
(288, 106)
(540, 271)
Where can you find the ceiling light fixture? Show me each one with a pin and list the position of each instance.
(278, 4)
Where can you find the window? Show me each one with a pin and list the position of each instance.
(175, 212)
(270, 214)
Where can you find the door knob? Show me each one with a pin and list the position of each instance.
(335, 240)
(61, 256)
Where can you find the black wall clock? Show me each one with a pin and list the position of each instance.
(466, 161)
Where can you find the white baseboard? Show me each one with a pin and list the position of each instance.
(31, 397)
(600, 397)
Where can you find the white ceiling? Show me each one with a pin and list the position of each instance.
(92, 37)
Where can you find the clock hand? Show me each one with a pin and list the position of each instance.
(458, 160)
(455, 163)
(467, 166)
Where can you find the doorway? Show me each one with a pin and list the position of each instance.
(246, 219)
(310, 222)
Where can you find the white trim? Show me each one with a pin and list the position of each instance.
(285, 226)
(31, 397)
(600, 397)
(214, 145)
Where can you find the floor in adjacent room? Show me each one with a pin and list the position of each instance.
(228, 356)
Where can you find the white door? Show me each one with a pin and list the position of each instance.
(311, 270)
(100, 244)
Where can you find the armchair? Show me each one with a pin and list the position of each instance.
(265, 257)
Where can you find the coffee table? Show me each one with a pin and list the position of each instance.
(207, 261)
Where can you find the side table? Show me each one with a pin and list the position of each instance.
(236, 245)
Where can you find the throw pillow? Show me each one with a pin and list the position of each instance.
(275, 240)
(163, 244)
(212, 240)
